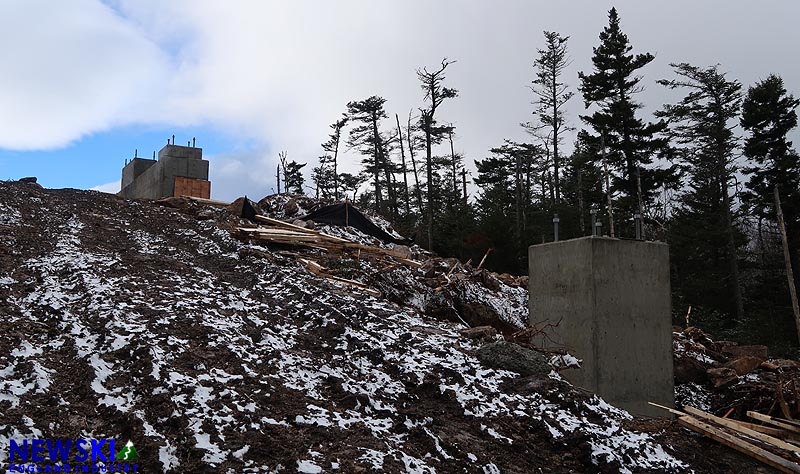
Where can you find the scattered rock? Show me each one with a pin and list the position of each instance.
(301, 223)
(480, 332)
(786, 363)
(722, 376)
(290, 208)
(769, 366)
(181, 203)
(734, 351)
(689, 369)
(404, 250)
(506, 355)
(744, 365)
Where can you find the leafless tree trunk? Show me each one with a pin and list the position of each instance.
(787, 259)
(403, 159)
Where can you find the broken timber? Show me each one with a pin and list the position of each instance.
(296, 235)
(778, 462)
(748, 438)
(319, 270)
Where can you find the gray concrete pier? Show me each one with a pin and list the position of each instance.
(611, 301)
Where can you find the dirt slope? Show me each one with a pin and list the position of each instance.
(136, 321)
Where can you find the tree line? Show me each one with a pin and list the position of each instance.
(700, 174)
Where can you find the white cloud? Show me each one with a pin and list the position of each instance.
(111, 188)
(69, 69)
(277, 73)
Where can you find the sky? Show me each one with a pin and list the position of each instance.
(89, 83)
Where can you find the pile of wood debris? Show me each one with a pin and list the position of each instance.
(773, 441)
(444, 288)
(729, 379)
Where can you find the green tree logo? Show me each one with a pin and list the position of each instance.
(129, 452)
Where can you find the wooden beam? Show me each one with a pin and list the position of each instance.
(773, 421)
(777, 432)
(671, 410)
(279, 223)
(779, 463)
(210, 202)
(319, 271)
(742, 429)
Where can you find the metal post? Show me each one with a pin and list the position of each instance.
(637, 222)
(556, 220)
(598, 226)
(593, 212)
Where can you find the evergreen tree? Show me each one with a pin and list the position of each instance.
(506, 179)
(293, 177)
(324, 177)
(350, 184)
(704, 234)
(551, 96)
(372, 144)
(435, 94)
(332, 156)
(768, 114)
(630, 142)
(582, 187)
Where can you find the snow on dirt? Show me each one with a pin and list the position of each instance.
(134, 321)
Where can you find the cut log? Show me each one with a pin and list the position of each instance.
(742, 429)
(779, 463)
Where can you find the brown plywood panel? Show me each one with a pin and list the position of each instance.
(192, 187)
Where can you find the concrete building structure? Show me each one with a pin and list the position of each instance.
(178, 171)
(610, 299)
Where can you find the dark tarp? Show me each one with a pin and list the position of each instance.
(347, 215)
(248, 211)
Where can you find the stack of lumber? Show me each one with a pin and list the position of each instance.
(773, 441)
(280, 232)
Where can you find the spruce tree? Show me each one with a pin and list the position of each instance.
(293, 177)
(367, 137)
(768, 114)
(431, 83)
(551, 96)
(332, 148)
(630, 142)
(705, 235)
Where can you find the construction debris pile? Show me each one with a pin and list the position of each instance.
(218, 349)
(773, 441)
(728, 379)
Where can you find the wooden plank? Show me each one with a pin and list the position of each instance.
(720, 436)
(323, 240)
(742, 429)
(772, 421)
(789, 422)
(273, 231)
(319, 270)
(671, 410)
(280, 223)
(210, 202)
(777, 432)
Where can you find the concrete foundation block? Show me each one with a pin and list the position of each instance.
(610, 300)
